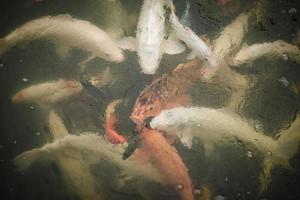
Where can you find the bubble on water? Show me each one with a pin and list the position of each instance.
(248, 193)
(284, 81)
(24, 79)
(1, 65)
(38, 133)
(31, 107)
(219, 197)
(226, 179)
(249, 154)
(15, 142)
(269, 153)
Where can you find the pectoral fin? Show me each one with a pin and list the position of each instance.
(191, 55)
(127, 43)
(173, 46)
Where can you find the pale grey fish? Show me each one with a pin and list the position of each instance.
(66, 32)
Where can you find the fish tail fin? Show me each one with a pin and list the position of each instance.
(265, 177)
(26, 159)
(288, 144)
(3, 46)
(56, 125)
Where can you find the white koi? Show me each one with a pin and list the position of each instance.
(48, 92)
(269, 50)
(199, 48)
(215, 126)
(66, 32)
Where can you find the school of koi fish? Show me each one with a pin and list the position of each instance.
(163, 113)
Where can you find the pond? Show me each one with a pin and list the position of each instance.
(153, 99)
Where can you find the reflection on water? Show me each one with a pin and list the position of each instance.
(240, 143)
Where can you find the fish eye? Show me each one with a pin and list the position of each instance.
(151, 108)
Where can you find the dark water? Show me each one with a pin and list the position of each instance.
(229, 173)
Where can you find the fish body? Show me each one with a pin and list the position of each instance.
(66, 32)
(150, 35)
(87, 148)
(199, 48)
(48, 92)
(168, 162)
(269, 50)
(213, 127)
(168, 91)
(232, 37)
(199, 122)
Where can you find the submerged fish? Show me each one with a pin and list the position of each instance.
(150, 36)
(114, 17)
(214, 126)
(193, 41)
(269, 50)
(74, 155)
(168, 91)
(232, 37)
(66, 32)
(76, 176)
(166, 159)
(48, 92)
(88, 148)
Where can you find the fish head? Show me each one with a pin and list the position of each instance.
(211, 60)
(113, 53)
(164, 120)
(147, 105)
(149, 59)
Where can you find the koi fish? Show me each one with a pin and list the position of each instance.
(167, 161)
(150, 43)
(48, 92)
(168, 91)
(199, 48)
(66, 32)
(214, 126)
(269, 50)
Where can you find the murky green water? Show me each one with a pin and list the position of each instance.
(230, 172)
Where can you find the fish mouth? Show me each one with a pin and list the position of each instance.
(137, 119)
